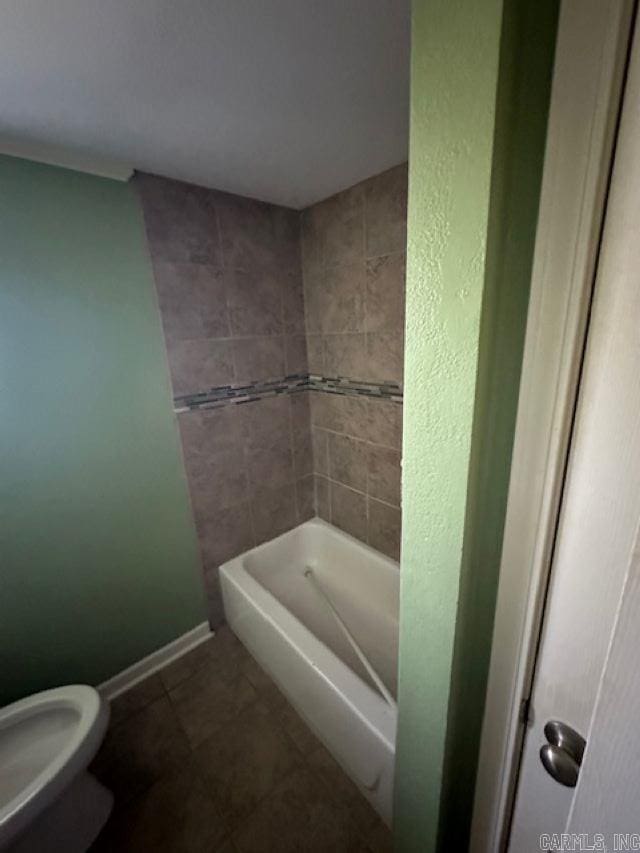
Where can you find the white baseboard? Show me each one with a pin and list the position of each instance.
(130, 676)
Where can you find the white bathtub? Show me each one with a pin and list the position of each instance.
(277, 613)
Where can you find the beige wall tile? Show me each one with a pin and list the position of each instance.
(192, 299)
(346, 355)
(314, 300)
(231, 268)
(349, 510)
(342, 226)
(320, 449)
(311, 239)
(385, 357)
(197, 365)
(258, 358)
(273, 511)
(271, 464)
(248, 233)
(300, 406)
(180, 220)
(342, 294)
(315, 353)
(255, 301)
(348, 461)
(341, 413)
(293, 303)
(301, 434)
(323, 499)
(225, 534)
(385, 293)
(296, 354)
(217, 481)
(384, 528)
(383, 423)
(261, 422)
(386, 212)
(208, 431)
(383, 474)
(305, 498)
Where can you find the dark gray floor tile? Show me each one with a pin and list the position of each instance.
(342, 789)
(296, 728)
(205, 702)
(244, 761)
(299, 816)
(140, 750)
(175, 815)
(186, 665)
(135, 699)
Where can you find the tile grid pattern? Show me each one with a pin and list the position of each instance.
(357, 467)
(228, 278)
(353, 263)
(229, 284)
(250, 476)
(243, 317)
(207, 756)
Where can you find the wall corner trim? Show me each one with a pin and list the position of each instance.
(132, 675)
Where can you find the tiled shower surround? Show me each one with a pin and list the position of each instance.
(353, 251)
(269, 435)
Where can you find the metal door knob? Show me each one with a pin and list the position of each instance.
(562, 755)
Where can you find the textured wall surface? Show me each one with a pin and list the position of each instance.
(455, 48)
(229, 284)
(476, 163)
(526, 63)
(98, 551)
(353, 251)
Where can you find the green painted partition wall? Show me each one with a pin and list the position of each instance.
(99, 562)
(480, 81)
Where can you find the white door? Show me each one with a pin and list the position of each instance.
(576, 667)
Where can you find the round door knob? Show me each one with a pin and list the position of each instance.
(560, 765)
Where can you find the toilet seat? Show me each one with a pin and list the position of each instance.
(46, 740)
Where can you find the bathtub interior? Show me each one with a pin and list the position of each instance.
(362, 585)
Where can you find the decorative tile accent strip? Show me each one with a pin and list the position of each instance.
(344, 385)
(225, 395)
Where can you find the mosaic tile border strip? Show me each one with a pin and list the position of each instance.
(224, 395)
(344, 385)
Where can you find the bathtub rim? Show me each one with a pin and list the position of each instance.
(364, 700)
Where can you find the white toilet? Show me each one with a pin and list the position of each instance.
(48, 800)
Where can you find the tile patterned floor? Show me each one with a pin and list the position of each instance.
(207, 756)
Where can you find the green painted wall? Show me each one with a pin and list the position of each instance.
(98, 551)
(480, 84)
(526, 63)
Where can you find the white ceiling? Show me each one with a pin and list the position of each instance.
(284, 100)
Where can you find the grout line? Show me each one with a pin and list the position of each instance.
(249, 501)
(293, 461)
(360, 492)
(329, 480)
(356, 438)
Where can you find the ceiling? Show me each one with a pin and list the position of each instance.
(284, 100)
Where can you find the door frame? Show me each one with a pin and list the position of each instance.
(590, 62)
